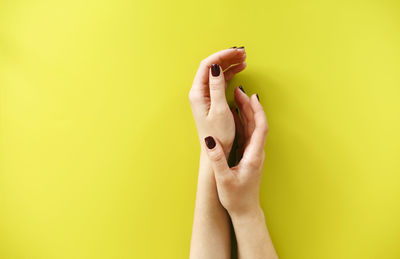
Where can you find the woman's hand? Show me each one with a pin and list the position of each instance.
(238, 187)
(220, 187)
(207, 96)
(211, 229)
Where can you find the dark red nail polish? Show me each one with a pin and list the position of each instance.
(258, 98)
(241, 89)
(215, 70)
(234, 47)
(210, 142)
(242, 47)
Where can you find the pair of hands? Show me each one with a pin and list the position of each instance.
(238, 187)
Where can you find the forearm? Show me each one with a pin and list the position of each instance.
(211, 232)
(252, 236)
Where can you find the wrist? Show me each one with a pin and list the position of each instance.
(203, 153)
(205, 163)
(252, 214)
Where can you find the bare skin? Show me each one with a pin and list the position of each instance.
(211, 231)
(225, 192)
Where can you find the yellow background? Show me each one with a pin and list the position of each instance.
(98, 148)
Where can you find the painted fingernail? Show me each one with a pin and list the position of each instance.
(241, 89)
(210, 142)
(215, 70)
(241, 47)
(258, 98)
(234, 47)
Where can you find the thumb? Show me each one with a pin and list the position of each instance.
(217, 87)
(217, 157)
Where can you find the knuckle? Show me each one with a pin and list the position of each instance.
(203, 63)
(227, 181)
(219, 109)
(254, 163)
(193, 96)
(217, 156)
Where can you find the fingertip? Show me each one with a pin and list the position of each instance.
(255, 102)
(242, 50)
(239, 67)
(240, 95)
(242, 54)
(236, 94)
(233, 50)
(232, 70)
(255, 98)
(258, 109)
